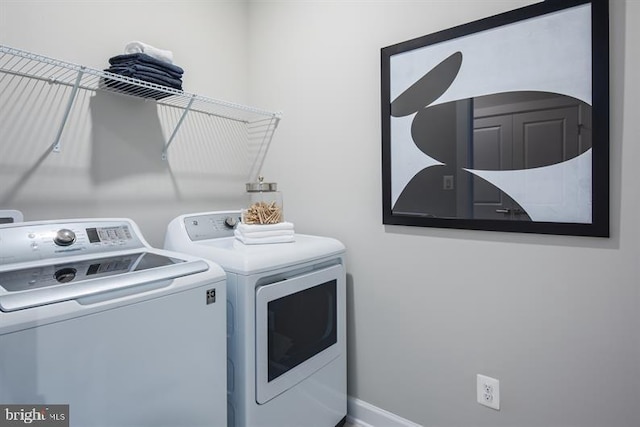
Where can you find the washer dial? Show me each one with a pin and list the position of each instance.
(64, 237)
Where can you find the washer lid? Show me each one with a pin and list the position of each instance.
(38, 285)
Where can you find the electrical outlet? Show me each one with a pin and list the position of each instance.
(488, 391)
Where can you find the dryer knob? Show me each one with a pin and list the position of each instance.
(64, 237)
(230, 221)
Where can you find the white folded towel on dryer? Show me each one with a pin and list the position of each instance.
(154, 52)
(252, 228)
(265, 240)
(266, 233)
(257, 234)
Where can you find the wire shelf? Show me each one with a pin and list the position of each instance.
(20, 64)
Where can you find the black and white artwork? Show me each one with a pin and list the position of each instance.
(501, 124)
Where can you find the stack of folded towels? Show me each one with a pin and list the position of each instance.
(144, 62)
(257, 234)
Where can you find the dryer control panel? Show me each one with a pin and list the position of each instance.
(211, 225)
(26, 241)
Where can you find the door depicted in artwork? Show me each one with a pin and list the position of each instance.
(492, 149)
(522, 137)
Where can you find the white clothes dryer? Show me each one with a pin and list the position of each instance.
(126, 335)
(286, 322)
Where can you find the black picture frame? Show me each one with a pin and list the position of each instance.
(455, 156)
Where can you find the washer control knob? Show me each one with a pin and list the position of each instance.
(65, 275)
(64, 237)
(230, 221)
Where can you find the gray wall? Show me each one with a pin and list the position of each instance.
(555, 318)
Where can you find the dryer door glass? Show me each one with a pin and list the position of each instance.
(301, 325)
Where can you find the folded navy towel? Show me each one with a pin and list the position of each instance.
(150, 77)
(136, 66)
(141, 57)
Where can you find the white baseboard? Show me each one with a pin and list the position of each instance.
(364, 414)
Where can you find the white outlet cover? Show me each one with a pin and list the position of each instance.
(488, 391)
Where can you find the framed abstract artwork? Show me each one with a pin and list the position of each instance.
(501, 124)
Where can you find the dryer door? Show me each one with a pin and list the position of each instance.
(299, 329)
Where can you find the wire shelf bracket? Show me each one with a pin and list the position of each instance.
(74, 91)
(175, 130)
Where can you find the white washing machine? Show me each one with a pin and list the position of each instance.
(124, 334)
(286, 322)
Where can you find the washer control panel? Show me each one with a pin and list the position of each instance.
(43, 276)
(26, 241)
(211, 225)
